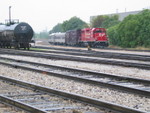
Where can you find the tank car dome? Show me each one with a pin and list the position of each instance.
(23, 30)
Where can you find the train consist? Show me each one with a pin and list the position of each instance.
(93, 37)
(17, 35)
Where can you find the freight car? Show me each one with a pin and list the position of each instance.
(17, 35)
(93, 37)
(72, 37)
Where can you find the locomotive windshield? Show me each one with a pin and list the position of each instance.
(98, 31)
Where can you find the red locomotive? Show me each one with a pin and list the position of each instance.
(93, 37)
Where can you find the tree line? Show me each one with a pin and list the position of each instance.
(71, 24)
(77, 23)
(133, 31)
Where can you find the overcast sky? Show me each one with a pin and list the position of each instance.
(45, 14)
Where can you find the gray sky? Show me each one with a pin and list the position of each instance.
(45, 14)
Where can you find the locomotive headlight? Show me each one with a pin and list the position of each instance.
(100, 34)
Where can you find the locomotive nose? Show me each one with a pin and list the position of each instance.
(23, 30)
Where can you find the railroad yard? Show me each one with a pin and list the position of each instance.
(74, 80)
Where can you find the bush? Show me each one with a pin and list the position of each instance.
(133, 31)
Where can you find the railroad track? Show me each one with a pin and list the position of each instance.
(128, 84)
(141, 65)
(79, 48)
(10, 109)
(93, 53)
(38, 99)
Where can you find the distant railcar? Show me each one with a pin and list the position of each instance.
(17, 35)
(57, 38)
(72, 37)
(94, 37)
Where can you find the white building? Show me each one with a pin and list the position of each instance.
(121, 15)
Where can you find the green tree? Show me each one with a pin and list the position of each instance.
(110, 21)
(113, 35)
(97, 22)
(105, 21)
(57, 28)
(133, 31)
(73, 23)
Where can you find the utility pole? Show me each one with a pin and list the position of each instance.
(10, 14)
(116, 10)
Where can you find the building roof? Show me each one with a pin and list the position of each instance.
(122, 15)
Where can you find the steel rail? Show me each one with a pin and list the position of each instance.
(20, 105)
(78, 49)
(101, 83)
(75, 58)
(89, 100)
(93, 51)
(146, 81)
(96, 54)
(100, 54)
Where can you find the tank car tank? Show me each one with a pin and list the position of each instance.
(18, 35)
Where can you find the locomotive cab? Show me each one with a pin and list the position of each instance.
(94, 37)
(99, 34)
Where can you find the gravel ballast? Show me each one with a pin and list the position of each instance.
(103, 68)
(122, 98)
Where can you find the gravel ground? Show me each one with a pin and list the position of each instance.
(130, 100)
(11, 90)
(8, 109)
(110, 69)
(45, 43)
(99, 58)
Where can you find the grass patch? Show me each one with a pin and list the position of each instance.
(38, 49)
(137, 48)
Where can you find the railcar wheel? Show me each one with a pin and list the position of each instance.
(29, 45)
(17, 46)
